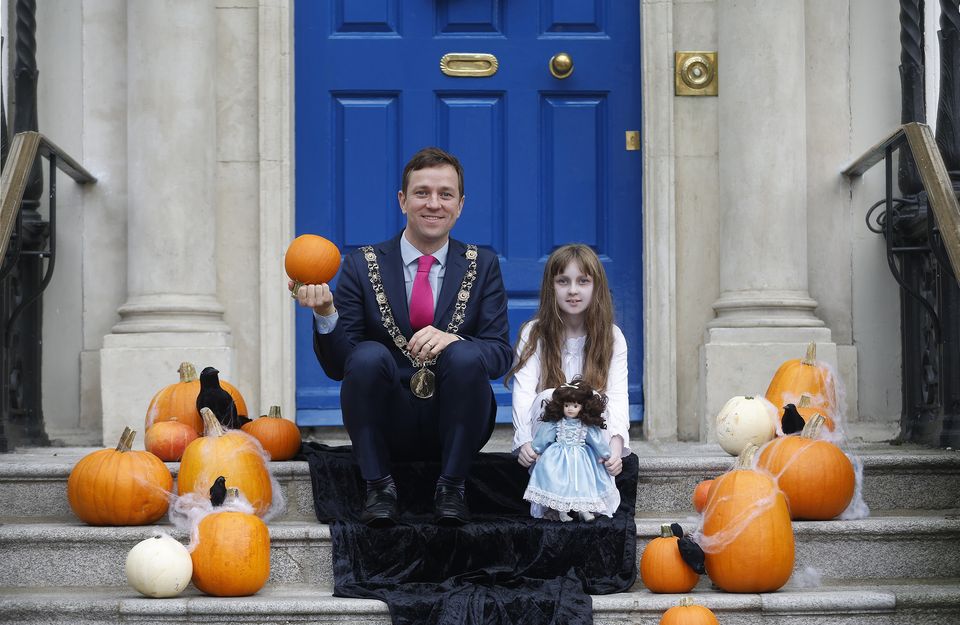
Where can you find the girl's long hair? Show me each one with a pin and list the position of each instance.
(547, 333)
(592, 404)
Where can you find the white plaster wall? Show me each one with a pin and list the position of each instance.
(699, 220)
(59, 109)
(238, 190)
(874, 113)
(830, 216)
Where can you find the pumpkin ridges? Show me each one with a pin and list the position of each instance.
(232, 453)
(662, 569)
(119, 486)
(311, 259)
(240, 570)
(747, 537)
(178, 401)
(816, 476)
(804, 376)
(279, 437)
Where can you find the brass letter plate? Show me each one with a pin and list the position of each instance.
(469, 64)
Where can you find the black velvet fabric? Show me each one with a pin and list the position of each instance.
(504, 567)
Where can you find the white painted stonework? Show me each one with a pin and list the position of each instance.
(753, 242)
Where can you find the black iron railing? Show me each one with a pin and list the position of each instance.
(28, 247)
(922, 234)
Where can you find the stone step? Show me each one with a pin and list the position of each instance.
(33, 484)
(934, 602)
(879, 547)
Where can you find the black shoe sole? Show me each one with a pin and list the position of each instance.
(451, 521)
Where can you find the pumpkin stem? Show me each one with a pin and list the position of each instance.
(745, 459)
(126, 440)
(274, 412)
(686, 602)
(233, 495)
(804, 401)
(813, 427)
(811, 357)
(211, 425)
(666, 531)
(188, 373)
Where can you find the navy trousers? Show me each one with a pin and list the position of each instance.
(387, 422)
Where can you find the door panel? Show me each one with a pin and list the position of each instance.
(544, 159)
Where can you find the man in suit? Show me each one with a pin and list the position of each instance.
(416, 330)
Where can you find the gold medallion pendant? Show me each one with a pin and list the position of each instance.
(423, 383)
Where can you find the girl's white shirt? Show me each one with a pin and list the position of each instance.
(528, 403)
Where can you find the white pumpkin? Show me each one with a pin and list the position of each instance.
(745, 420)
(159, 567)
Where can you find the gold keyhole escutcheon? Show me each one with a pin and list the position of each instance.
(561, 65)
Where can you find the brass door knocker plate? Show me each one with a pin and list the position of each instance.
(695, 73)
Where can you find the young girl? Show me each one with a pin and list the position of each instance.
(572, 334)
(568, 477)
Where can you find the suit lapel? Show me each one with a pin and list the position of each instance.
(452, 279)
(394, 283)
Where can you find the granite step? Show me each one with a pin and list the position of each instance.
(932, 602)
(72, 554)
(33, 483)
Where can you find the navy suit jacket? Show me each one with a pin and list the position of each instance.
(359, 315)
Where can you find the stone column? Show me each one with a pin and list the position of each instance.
(171, 313)
(765, 314)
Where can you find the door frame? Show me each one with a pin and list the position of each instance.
(277, 205)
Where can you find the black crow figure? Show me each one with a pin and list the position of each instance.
(218, 492)
(690, 552)
(792, 422)
(213, 396)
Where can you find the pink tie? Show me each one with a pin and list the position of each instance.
(421, 297)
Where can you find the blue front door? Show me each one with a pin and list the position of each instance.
(547, 160)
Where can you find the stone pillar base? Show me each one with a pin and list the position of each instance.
(133, 367)
(742, 361)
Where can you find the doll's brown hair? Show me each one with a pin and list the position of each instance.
(592, 404)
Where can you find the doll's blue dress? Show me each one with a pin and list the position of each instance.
(568, 474)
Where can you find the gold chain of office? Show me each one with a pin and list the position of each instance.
(423, 381)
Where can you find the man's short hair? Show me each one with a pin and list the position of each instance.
(431, 157)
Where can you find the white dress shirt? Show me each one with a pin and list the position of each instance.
(527, 402)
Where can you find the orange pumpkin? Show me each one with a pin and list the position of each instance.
(167, 439)
(119, 486)
(178, 402)
(688, 613)
(804, 376)
(700, 495)
(226, 452)
(815, 475)
(747, 537)
(807, 412)
(232, 554)
(661, 567)
(311, 259)
(280, 437)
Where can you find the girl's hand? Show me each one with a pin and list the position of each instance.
(614, 464)
(527, 456)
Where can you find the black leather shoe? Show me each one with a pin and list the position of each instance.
(449, 506)
(380, 507)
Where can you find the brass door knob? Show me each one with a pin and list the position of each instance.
(561, 65)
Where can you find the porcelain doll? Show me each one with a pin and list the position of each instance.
(569, 475)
